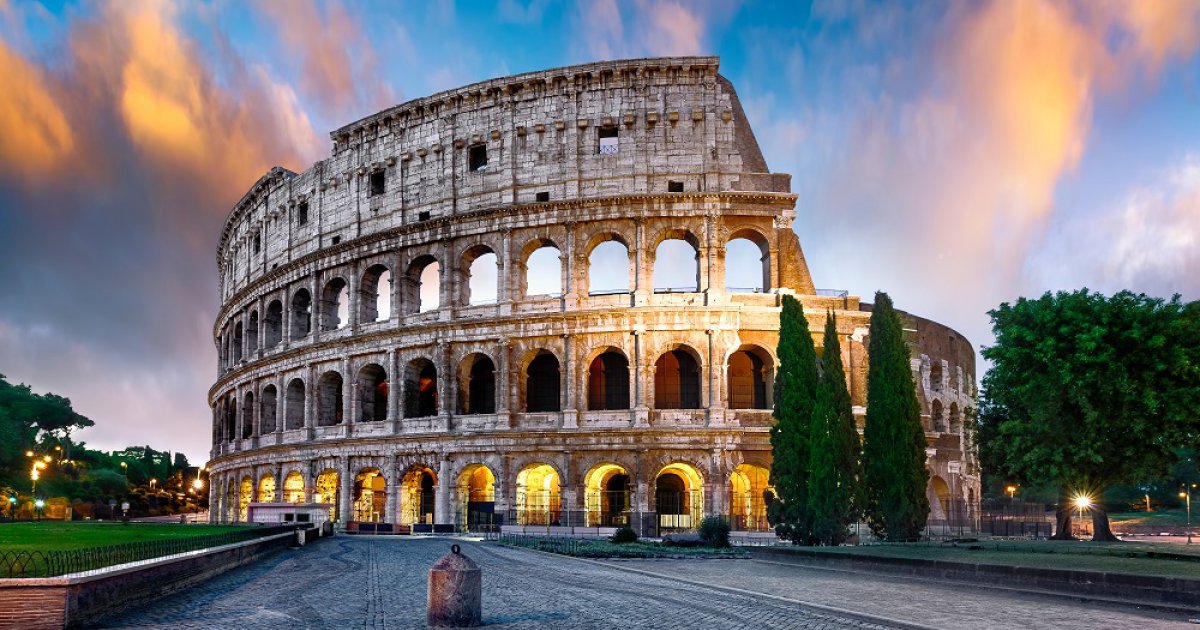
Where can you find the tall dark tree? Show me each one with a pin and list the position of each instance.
(893, 452)
(1086, 391)
(795, 395)
(835, 450)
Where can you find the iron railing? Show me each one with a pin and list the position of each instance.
(37, 563)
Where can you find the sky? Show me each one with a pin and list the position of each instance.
(954, 154)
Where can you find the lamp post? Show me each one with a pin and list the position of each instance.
(1012, 492)
(1187, 495)
(1082, 502)
(12, 508)
(125, 469)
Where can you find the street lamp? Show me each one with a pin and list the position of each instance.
(1082, 502)
(39, 504)
(1187, 494)
(1012, 491)
(152, 482)
(125, 469)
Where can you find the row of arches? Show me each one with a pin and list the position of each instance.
(678, 384)
(943, 419)
(611, 269)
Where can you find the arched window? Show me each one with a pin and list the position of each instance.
(268, 411)
(420, 389)
(543, 272)
(273, 324)
(293, 487)
(417, 498)
(295, 405)
(747, 264)
(608, 268)
(542, 384)
(422, 286)
(477, 497)
(678, 497)
(477, 385)
(955, 419)
(266, 488)
(482, 268)
(676, 266)
(677, 381)
(936, 417)
(373, 393)
(237, 343)
(230, 417)
(335, 305)
(301, 314)
(252, 334)
(750, 493)
(750, 378)
(607, 496)
(329, 399)
(935, 375)
(539, 501)
(608, 381)
(326, 490)
(370, 496)
(375, 295)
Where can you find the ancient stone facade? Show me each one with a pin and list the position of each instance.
(362, 364)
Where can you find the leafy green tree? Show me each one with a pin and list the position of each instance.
(796, 392)
(1087, 391)
(835, 450)
(893, 451)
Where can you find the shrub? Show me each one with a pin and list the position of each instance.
(714, 531)
(624, 535)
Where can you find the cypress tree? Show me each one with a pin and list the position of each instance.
(833, 468)
(893, 441)
(795, 388)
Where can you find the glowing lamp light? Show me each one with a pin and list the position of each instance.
(28, 453)
(198, 483)
(39, 504)
(12, 500)
(1083, 502)
(46, 458)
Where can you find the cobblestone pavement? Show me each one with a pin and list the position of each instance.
(934, 604)
(381, 583)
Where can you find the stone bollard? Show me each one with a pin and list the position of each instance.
(455, 592)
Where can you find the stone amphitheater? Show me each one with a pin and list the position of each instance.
(543, 302)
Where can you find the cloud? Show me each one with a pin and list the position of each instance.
(35, 135)
(612, 29)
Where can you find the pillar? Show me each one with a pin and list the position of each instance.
(442, 514)
(569, 392)
(394, 389)
(641, 406)
(345, 496)
(643, 273)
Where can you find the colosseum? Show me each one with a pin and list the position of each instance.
(546, 302)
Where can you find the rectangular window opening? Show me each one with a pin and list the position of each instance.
(302, 213)
(257, 243)
(378, 183)
(337, 239)
(423, 215)
(674, 186)
(477, 158)
(542, 197)
(608, 140)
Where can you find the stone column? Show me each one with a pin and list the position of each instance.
(442, 514)
(345, 491)
(349, 397)
(316, 308)
(353, 299)
(285, 335)
(637, 372)
(256, 413)
(504, 270)
(643, 285)
(310, 401)
(280, 406)
(446, 273)
(503, 402)
(568, 393)
(445, 374)
(396, 490)
(394, 383)
(569, 287)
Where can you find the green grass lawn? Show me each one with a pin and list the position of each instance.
(1161, 518)
(1161, 559)
(58, 535)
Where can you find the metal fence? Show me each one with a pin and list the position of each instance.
(35, 563)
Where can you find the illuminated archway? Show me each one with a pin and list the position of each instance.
(418, 496)
(539, 501)
(326, 491)
(245, 494)
(750, 493)
(679, 497)
(939, 499)
(608, 498)
(370, 496)
(266, 489)
(476, 497)
(293, 487)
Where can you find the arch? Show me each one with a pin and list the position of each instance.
(423, 285)
(608, 498)
(372, 393)
(476, 491)
(295, 405)
(301, 318)
(293, 487)
(231, 501)
(328, 490)
(370, 496)
(677, 382)
(747, 262)
(236, 349)
(955, 420)
(480, 285)
(420, 389)
(937, 419)
(678, 496)
(477, 384)
(609, 266)
(935, 374)
(375, 295)
(673, 273)
(230, 407)
(252, 334)
(750, 493)
(248, 415)
(750, 377)
(335, 305)
(266, 488)
(608, 381)
(543, 383)
(268, 408)
(418, 496)
(539, 498)
(542, 267)
(273, 324)
(329, 399)
(245, 495)
(939, 498)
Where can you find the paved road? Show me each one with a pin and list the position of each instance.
(381, 583)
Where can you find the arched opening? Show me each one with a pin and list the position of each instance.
(252, 334)
(608, 268)
(293, 487)
(326, 491)
(677, 266)
(939, 499)
(301, 314)
(266, 488)
(268, 408)
(417, 496)
(608, 381)
(542, 383)
(607, 496)
(335, 305)
(375, 295)
(750, 493)
(236, 350)
(747, 263)
(677, 380)
(477, 385)
(245, 496)
(329, 399)
(482, 268)
(420, 389)
(750, 378)
(935, 375)
(372, 393)
(937, 419)
(955, 420)
(422, 285)
(543, 270)
(231, 502)
(370, 496)
(230, 417)
(295, 405)
(273, 324)
(477, 498)
(539, 501)
(248, 416)
(678, 497)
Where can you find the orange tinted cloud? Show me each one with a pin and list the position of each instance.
(34, 133)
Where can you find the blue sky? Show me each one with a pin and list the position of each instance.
(954, 154)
